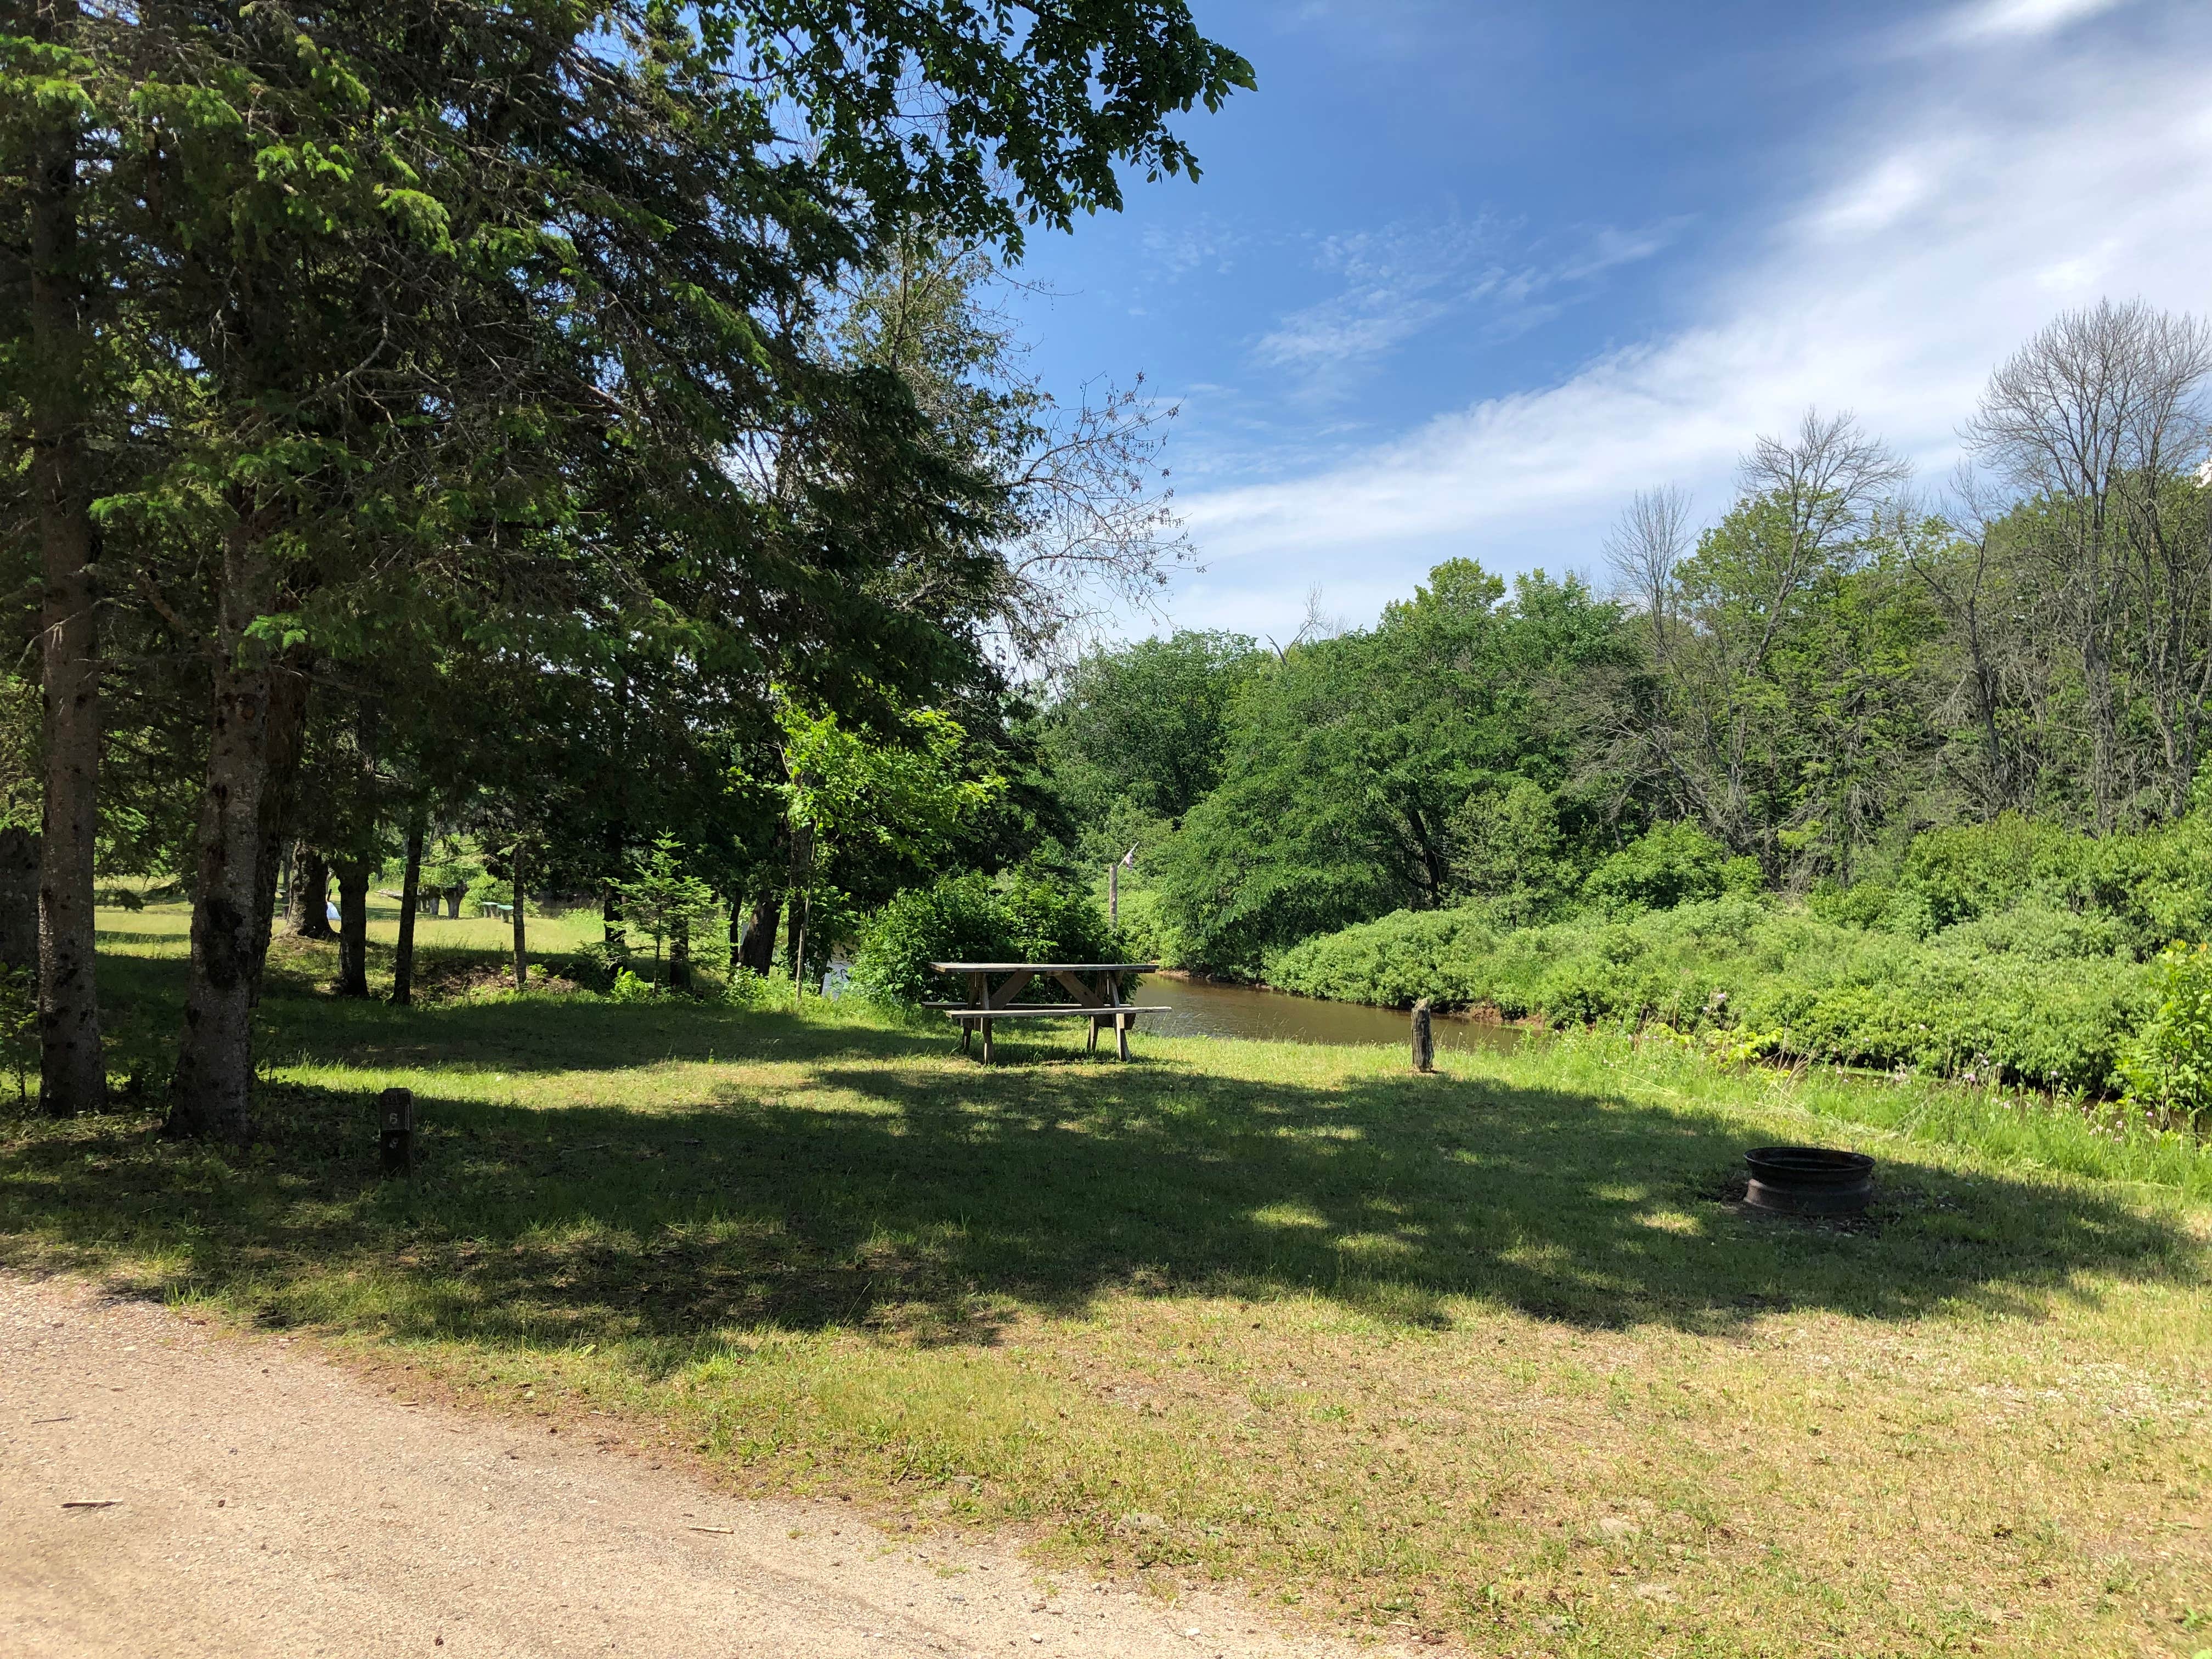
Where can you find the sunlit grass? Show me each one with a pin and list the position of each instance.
(1491, 1353)
(165, 929)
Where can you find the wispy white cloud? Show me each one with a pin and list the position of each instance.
(1395, 283)
(1399, 282)
(1911, 177)
(1997, 20)
(1206, 243)
(1953, 220)
(1611, 246)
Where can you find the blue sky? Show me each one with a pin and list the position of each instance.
(1460, 277)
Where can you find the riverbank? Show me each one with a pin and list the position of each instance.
(2031, 996)
(1492, 1354)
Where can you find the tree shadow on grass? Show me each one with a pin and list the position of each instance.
(302, 1019)
(936, 1202)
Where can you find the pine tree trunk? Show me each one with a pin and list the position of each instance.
(212, 1092)
(521, 950)
(287, 732)
(612, 933)
(410, 893)
(72, 1076)
(311, 894)
(353, 928)
(679, 954)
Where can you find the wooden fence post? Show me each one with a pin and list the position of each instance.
(395, 1110)
(1425, 1042)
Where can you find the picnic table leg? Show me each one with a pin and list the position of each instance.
(967, 1032)
(1092, 1046)
(987, 1042)
(1121, 1019)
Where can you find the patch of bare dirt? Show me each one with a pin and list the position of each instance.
(165, 1490)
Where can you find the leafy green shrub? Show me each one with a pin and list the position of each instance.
(2168, 1071)
(1971, 870)
(746, 990)
(2036, 930)
(1673, 864)
(629, 988)
(1146, 934)
(1910, 914)
(1862, 905)
(957, 919)
(594, 966)
(1051, 920)
(1024, 916)
(2035, 1000)
(1395, 962)
(2159, 882)
(2139, 889)
(2156, 883)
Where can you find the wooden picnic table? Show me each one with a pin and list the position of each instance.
(1095, 987)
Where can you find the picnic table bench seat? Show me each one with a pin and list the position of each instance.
(1008, 1010)
(1046, 967)
(1044, 1011)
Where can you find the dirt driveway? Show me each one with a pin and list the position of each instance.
(164, 1490)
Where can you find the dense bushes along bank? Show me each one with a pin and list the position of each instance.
(2007, 1000)
(2010, 952)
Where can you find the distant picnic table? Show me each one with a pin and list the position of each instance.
(1095, 987)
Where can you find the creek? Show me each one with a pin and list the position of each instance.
(1205, 1008)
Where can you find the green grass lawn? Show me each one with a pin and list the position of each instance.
(1491, 1355)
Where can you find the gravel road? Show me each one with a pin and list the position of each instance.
(166, 1489)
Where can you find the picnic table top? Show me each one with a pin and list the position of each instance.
(1045, 967)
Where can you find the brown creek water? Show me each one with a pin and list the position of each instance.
(1202, 1008)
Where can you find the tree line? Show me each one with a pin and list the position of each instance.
(1839, 661)
(536, 423)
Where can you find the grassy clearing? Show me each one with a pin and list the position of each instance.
(1488, 1355)
(476, 942)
